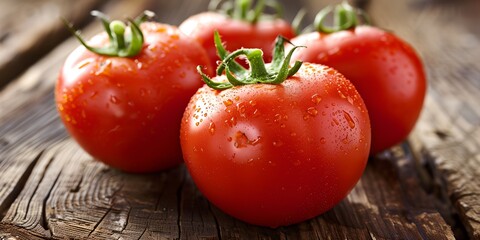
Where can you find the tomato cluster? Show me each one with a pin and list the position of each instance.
(271, 144)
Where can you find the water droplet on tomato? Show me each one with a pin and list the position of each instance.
(312, 111)
(256, 141)
(228, 102)
(323, 140)
(241, 108)
(211, 128)
(277, 118)
(335, 122)
(277, 143)
(83, 64)
(232, 121)
(316, 98)
(114, 100)
(350, 100)
(349, 119)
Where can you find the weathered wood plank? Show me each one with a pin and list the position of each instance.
(446, 34)
(29, 29)
(53, 189)
(71, 195)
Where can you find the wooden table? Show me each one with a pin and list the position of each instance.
(426, 188)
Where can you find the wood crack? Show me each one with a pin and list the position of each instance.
(42, 176)
(19, 186)
(44, 221)
(99, 222)
(143, 233)
(217, 225)
(179, 202)
(437, 189)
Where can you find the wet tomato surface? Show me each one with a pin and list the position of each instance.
(386, 71)
(126, 111)
(275, 155)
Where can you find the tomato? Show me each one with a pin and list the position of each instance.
(385, 70)
(237, 31)
(277, 154)
(126, 111)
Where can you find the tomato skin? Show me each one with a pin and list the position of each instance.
(274, 155)
(126, 112)
(235, 33)
(386, 71)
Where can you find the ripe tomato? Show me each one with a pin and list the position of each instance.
(126, 111)
(277, 154)
(385, 70)
(237, 29)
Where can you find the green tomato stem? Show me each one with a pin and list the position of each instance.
(121, 45)
(275, 73)
(242, 9)
(118, 29)
(257, 65)
(345, 17)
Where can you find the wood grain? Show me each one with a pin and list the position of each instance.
(29, 29)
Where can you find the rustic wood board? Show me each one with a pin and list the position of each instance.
(31, 28)
(447, 137)
(419, 190)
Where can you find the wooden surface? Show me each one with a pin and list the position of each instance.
(426, 188)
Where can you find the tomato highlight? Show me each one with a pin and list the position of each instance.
(386, 70)
(121, 96)
(275, 145)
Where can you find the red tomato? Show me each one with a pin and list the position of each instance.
(275, 155)
(386, 71)
(126, 112)
(237, 33)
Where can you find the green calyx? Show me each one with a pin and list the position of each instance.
(121, 43)
(244, 9)
(345, 17)
(274, 73)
